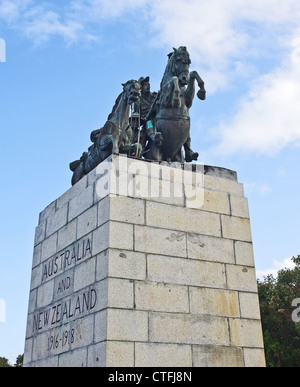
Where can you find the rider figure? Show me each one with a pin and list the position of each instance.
(144, 112)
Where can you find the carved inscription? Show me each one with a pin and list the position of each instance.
(61, 339)
(61, 312)
(64, 285)
(57, 281)
(66, 259)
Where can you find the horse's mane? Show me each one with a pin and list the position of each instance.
(115, 107)
(168, 72)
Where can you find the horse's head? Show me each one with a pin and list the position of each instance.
(132, 91)
(180, 64)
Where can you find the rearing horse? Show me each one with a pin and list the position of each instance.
(172, 120)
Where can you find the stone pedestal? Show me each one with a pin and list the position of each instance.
(142, 264)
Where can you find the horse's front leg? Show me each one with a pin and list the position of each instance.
(202, 92)
(115, 144)
(190, 90)
(115, 140)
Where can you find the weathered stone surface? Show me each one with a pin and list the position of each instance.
(81, 202)
(254, 357)
(111, 354)
(128, 325)
(57, 220)
(67, 235)
(246, 333)
(239, 206)
(207, 200)
(186, 272)
(188, 329)
(121, 264)
(49, 247)
(87, 222)
(236, 228)
(166, 241)
(244, 253)
(249, 304)
(142, 264)
(241, 278)
(127, 210)
(217, 357)
(159, 296)
(214, 302)
(168, 355)
(222, 184)
(208, 248)
(182, 219)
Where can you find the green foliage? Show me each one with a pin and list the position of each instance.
(19, 361)
(5, 364)
(281, 333)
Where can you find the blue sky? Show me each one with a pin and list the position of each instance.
(65, 62)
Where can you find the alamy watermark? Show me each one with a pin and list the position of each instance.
(296, 312)
(2, 311)
(129, 177)
(2, 50)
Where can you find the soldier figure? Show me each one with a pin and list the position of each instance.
(146, 100)
(144, 112)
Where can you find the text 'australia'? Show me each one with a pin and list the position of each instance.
(70, 257)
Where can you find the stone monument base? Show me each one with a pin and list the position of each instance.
(143, 264)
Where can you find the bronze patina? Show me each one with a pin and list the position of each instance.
(154, 126)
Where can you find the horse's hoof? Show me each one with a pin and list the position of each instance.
(195, 156)
(191, 156)
(201, 95)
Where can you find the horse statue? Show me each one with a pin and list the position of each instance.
(172, 120)
(114, 137)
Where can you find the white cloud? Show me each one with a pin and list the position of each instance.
(268, 118)
(216, 32)
(39, 22)
(223, 37)
(41, 25)
(94, 10)
(72, 21)
(256, 188)
(206, 28)
(276, 266)
(10, 10)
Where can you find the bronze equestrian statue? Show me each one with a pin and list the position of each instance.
(159, 126)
